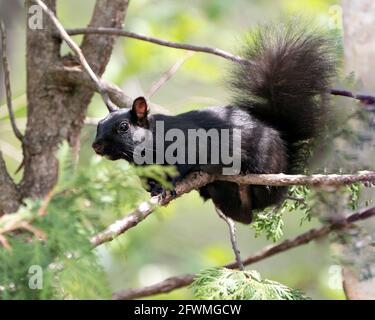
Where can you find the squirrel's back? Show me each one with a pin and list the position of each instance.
(285, 81)
(283, 84)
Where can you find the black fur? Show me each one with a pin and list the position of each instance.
(277, 104)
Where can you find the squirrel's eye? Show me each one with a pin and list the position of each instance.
(123, 127)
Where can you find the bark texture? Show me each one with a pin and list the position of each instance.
(359, 40)
(9, 195)
(359, 46)
(56, 112)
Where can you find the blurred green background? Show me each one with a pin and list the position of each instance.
(187, 236)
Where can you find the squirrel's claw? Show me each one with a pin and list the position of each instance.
(156, 189)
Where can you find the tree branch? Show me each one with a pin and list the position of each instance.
(165, 286)
(365, 99)
(46, 121)
(68, 75)
(311, 180)
(73, 75)
(177, 282)
(197, 180)
(55, 112)
(8, 90)
(171, 44)
(85, 65)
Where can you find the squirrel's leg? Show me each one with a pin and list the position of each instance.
(154, 187)
(233, 200)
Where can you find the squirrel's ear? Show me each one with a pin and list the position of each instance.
(140, 109)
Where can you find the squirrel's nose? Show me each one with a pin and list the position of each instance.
(98, 147)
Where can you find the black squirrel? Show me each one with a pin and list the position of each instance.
(280, 101)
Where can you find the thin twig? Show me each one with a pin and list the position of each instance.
(196, 180)
(233, 240)
(363, 98)
(171, 44)
(47, 199)
(64, 35)
(8, 89)
(177, 282)
(75, 76)
(167, 75)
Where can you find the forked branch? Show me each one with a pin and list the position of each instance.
(64, 35)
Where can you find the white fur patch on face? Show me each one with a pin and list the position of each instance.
(139, 135)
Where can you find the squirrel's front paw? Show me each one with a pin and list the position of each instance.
(155, 188)
(163, 192)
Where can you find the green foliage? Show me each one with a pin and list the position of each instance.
(64, 276)
(215, 9)
(84, 202)
(303, 202)
(226, 284)
(270, 221)
(354, 191)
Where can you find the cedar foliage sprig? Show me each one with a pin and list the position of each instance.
(227, 284)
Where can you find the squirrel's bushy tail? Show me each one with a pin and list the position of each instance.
(284, 82)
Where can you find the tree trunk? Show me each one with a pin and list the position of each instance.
(359, 44)
(359, 40)
(56, 112)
